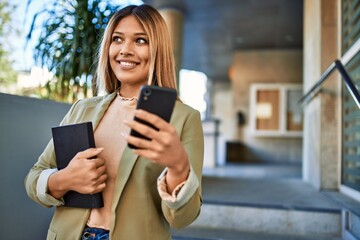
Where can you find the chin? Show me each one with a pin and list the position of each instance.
(132, 81)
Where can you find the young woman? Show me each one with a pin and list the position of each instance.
(146, 190)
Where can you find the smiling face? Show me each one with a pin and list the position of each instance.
(129, 54)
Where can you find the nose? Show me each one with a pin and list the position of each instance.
(126, 49)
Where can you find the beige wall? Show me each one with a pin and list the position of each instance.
(264, 66)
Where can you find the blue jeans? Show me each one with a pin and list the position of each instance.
(95, 234)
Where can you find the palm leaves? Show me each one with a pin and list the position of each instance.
(70, 31)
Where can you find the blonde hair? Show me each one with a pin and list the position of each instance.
(162, 64)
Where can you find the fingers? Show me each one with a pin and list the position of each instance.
(101, 170)
(98, 174)
(90, 179)
(100, 188)
(98, 184)
(153, 119)
(163, 135)
(87, 171)
(89, 153)
(139, 142)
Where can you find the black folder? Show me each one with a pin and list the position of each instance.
(68, 141)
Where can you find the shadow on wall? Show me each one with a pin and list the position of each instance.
(240, 152)
(25, 129)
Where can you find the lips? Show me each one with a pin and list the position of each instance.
(126, 64)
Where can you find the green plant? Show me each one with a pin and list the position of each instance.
(70, 32)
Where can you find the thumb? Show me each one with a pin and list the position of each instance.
(89, 153)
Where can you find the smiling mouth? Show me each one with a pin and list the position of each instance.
(127, 64)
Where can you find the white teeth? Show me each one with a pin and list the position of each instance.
(127, 63)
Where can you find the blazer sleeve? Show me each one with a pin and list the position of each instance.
(192, 138)
(46, 161)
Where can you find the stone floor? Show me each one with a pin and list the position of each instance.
(266, 193)
(276, 186)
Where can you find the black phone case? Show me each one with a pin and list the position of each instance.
(157, 100)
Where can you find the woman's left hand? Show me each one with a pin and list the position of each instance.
(165, 147)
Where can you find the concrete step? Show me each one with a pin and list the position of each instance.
(270, 221)
(280, 207)
(193, 233)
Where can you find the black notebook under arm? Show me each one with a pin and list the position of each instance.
(68, 141)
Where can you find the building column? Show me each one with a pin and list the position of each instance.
(321, 152)
(174, 19)
(173, 13)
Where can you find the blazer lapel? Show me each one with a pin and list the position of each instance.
(96, 111)
(127, 163)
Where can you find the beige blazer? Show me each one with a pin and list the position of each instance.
(138, 211)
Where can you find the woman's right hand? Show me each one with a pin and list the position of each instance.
(85, 174)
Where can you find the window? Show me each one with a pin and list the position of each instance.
(350, 164)
(274, 110)
(193, 89)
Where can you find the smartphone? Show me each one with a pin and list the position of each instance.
(156, 100)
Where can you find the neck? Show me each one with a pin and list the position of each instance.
(129, 91)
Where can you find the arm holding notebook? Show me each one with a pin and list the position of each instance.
(81, 175)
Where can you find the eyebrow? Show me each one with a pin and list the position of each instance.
(136, 34)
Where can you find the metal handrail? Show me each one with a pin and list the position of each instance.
(345, 76)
